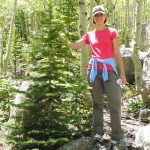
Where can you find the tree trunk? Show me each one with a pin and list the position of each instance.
(90, 18)
(9, 44)
(82, 31)
(1, 51)
(135, 58)
(133, 14)
(111, 7)
(127, 24)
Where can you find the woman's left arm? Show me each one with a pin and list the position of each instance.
(118, 57)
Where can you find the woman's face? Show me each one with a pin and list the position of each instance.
(99, 18)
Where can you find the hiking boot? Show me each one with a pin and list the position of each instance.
(98, 138)
(124, 142)
(119, 147)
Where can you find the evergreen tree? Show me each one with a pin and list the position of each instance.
(56, 97)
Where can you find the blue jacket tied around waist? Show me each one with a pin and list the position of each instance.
(94, 69)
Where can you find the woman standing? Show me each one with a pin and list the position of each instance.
(103, 75)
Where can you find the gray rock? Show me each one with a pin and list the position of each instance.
(145, 36)
(85, 143)
(128, 64)
(145, 90)
(20, 98)
(129, 69)
(144, 114)
(142, 137)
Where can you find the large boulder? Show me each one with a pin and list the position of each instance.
(142, 137)
(145, 36)
(129, 69)
(19, 98)
(128, 64)
(145, 91)
(126, 54)
(79, 144)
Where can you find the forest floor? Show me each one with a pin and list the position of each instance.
(130, 123)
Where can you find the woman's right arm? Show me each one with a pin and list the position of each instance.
(76, 45)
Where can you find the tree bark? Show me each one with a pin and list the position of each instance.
(127, 24)
(9, 44)
(90, 18)
(135, 58)
(1, 51)
(82, 31)
(111, 7)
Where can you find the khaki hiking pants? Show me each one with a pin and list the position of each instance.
(113, 93)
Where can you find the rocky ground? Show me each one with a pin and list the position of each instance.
(130, 125)
(131, 122)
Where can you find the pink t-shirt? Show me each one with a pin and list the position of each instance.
(101, 44)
